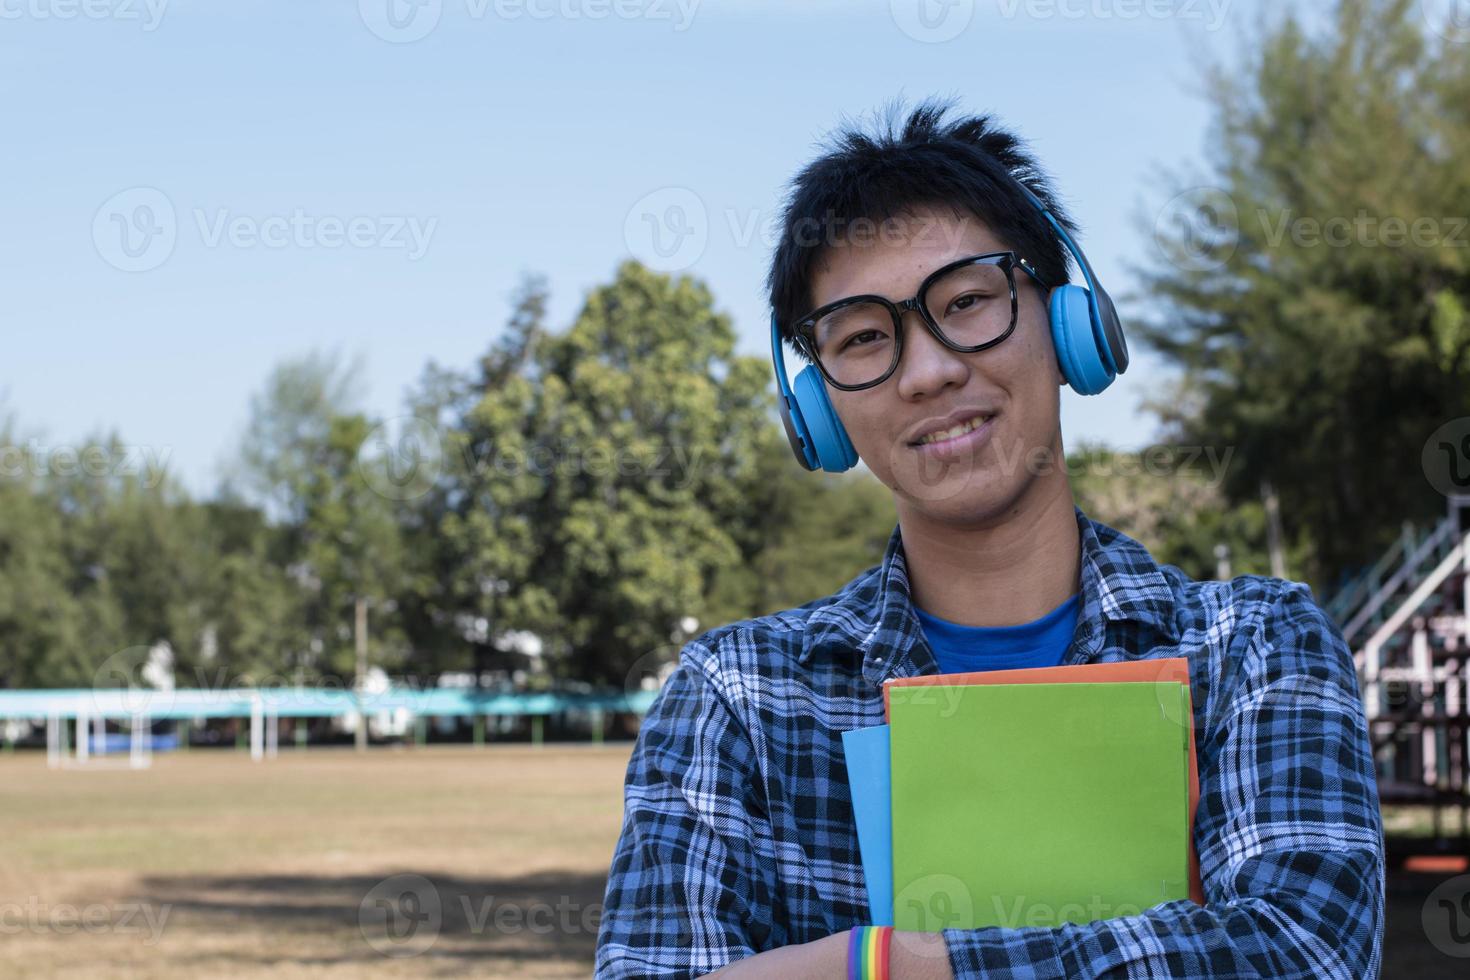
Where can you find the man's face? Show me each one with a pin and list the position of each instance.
(1016, 380)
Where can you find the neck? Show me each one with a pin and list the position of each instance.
(1006, 569)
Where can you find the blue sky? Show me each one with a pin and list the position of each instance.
(344, 179)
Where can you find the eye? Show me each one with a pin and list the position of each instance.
(853, 339)
(966, 301)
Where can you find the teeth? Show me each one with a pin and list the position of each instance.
(958, 430)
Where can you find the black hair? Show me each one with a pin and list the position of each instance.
(969, 165)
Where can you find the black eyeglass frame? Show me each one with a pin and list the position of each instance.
(804, 330)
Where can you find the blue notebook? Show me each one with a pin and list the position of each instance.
(869, 777)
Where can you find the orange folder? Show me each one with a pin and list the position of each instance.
(1160, 669)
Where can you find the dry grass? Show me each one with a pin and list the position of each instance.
(210, 865)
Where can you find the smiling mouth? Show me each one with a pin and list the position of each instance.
(953, 432)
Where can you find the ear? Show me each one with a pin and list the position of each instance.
(1053, 360)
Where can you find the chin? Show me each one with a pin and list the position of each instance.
(956, 498)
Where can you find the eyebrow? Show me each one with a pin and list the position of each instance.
(835, 317)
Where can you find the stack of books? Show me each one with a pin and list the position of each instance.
(1032, 797)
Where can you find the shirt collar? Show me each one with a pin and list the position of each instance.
(873, 615)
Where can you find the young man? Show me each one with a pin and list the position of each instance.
(738, 847)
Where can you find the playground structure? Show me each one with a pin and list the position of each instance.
(1407, 621)
(69, 715)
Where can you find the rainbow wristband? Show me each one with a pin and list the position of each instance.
(867, 952)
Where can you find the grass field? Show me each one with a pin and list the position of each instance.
(434, 862)
(210, 865)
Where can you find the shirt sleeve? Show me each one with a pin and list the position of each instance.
(685, 894)
(1288, 828)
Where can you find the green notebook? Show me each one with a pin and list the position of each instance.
(1022, 805)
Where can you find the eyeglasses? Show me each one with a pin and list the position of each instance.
(968, 305)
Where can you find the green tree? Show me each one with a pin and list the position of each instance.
(350, 551)
(41, 623)
(1172, 502)
(802, 535)
(1317, 332)
(336, 540)
(606, 467)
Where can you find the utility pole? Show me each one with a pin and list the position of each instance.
(1273, 529)
(1222, 561)
(360, 632)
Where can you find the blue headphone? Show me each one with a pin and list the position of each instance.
(1084, 329)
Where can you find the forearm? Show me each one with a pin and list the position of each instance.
(912, 956)
(1323, 919)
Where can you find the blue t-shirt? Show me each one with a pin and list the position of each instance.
(1039, 643)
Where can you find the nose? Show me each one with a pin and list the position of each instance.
(927, 366)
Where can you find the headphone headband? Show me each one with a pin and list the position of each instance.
(1102, 303)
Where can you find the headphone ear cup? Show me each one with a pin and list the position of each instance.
(829, 440)
(1075, 337)
(796, 435)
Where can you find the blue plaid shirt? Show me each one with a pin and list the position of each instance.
(738, 832)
